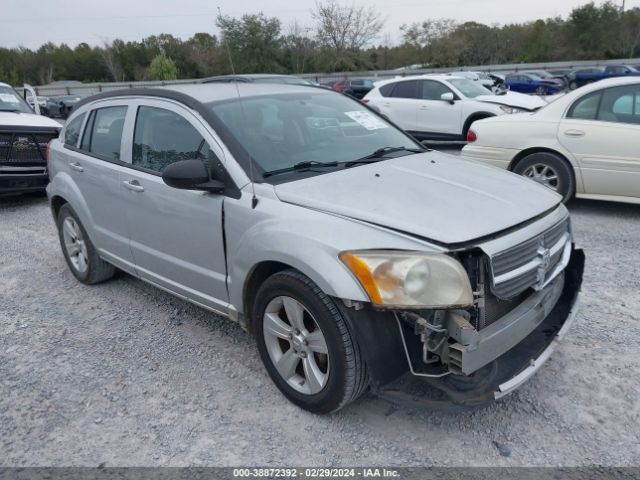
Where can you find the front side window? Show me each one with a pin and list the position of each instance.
(163, 137)
(432, 90)
(103, 133)
(585, 108)
(72, 131)
(281, 131)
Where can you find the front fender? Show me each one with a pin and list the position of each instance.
(302, 238)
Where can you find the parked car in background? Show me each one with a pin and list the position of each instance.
(585, 143)
(24, 137)
(564, 74)
(259, 78)
(44, 103)
(481, 77)
(590, 75)
(442, 107)
(545, 75)
(355, 256)
(355, 87)
(61, 106)
(530, 83)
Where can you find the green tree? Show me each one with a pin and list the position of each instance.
(254, 42)
(163, 68)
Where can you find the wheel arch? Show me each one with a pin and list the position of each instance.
(472, 118)
(256, 277)
(524, 153)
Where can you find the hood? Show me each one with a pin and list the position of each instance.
(12, 119)
(514, 99)
(430, 195)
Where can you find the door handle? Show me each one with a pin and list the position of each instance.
(574, 133)
(133, 185)
(386, 104)
(76, 166)
(424, 107)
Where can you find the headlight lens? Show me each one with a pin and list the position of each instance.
(410, 279)
(509, 110)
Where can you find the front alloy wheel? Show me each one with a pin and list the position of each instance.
(306, 344)
(296, 345)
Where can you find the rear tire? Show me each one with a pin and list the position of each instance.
(80, 254)
(550, 170)
(340, 374)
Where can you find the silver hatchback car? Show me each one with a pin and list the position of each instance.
(358, 258)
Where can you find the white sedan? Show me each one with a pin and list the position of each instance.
(443, 107)
(584, 144)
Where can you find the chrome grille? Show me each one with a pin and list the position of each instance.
(531, 263)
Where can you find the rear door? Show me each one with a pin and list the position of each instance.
(95, 165)
(436, 115)
(602, 130)
(176, 235)
(400, 104)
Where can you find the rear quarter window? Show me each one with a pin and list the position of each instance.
(72, 131)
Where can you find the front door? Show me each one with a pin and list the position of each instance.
(601, 130)
(176, 235)
(436, 115)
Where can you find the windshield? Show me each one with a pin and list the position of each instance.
(281, 131)
(10, 101)
(468, 88)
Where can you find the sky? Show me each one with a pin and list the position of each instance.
(31, 23)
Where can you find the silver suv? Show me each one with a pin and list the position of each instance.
(358, 258)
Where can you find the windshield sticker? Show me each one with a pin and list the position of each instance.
(7, 97)
(366, 119)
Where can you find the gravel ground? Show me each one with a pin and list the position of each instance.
(123, 374)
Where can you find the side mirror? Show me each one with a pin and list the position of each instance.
(191, 175)
(448, 97)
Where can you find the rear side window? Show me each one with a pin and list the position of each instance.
(406, 89)
(586, 108)
(72, 131)
(103, 133)
(620, 104)
(163, 137)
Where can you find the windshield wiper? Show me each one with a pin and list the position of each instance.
(380, 153)
(301, 166)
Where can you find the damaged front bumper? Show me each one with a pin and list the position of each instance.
(488, 364)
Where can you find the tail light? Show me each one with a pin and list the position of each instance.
(365, 100)
(471, 136)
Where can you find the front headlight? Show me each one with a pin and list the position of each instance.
(509, 110)
(410, 279)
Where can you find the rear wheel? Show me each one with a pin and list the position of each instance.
(81, 256)
(550, 170)
(573, 85)
(541, 90)
(305, 344)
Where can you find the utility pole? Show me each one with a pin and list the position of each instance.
(623, 2)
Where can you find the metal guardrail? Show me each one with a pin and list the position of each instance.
(85, 89)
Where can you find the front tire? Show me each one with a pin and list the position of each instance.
(305, 344)
(549, 170)
(541, 91)
(81, 256)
